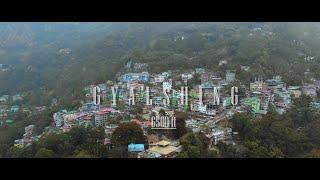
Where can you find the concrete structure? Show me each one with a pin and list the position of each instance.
(200, 70)
(253, 103)
(109, 129)
(282, 100)
(226, 102)
(17, 97)
(28, 137)
(89, 107)
(101, 117)
(295, 91)
(223, 62)
(217, 135)
(204, 78)
(230, 76)
(143, 77)
(15, 108)
(4, 98)
(245, 68)
(64, 118)
(258, 85)
(167, 85)
(58, 118)
(159, 78)
(309, 90)
(275, 83)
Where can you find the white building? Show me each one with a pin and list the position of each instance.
(245, 68)
(223, 62)
(219, 134)
(230, 76)
(58, 119)
(99, 119)
(167, 85)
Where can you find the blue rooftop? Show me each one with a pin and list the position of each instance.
(135, 147)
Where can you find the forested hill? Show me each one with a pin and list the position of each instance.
(58, 59)
(37, 53)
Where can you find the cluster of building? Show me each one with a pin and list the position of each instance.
(88, 115)
(6, 98)
(8, 107)
(102, 115)
(157, 149)
(14, 104)
(136, 66)
(65, 51)
(202, 116)
(28, 137)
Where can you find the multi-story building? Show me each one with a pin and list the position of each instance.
(28, 137)
(58, 119)
(159, 78)
(15, 108)
(90, 107)
(258, 85)
(70, 119)
(109, 129)
(253, 103)
(157, 100)
(295, 91)
(219, 134)
(88, 120)
(64, 118)
(167, 85)
(186, 77)
(282, 100)
(204, 78)
(230, 76)
(265, 98)
(101, 117)
(276, 83)
(226, 102)
(310, 90)
(143, 77)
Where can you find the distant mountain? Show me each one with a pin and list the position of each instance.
(61, 58)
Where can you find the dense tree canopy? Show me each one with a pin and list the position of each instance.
(128, 133)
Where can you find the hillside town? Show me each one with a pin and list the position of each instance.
(208, 116)
(11, 105)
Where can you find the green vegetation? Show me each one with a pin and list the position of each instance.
(196, 146)
(43, 73)
(99, 51)
(126, 134)
(293, 134)
(79, 142)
